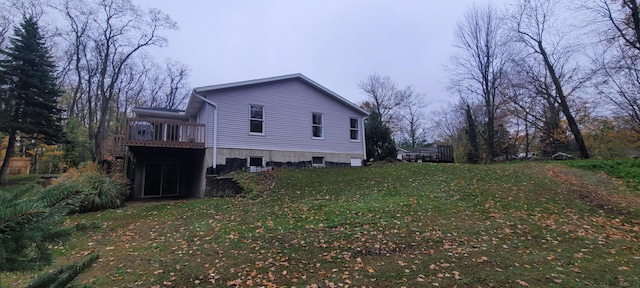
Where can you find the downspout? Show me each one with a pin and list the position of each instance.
(364, 142)
(215, 127)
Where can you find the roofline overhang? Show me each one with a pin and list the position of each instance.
(139, 111)
(344, 101)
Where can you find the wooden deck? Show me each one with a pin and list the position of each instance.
(164, 133)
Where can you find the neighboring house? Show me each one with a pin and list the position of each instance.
(280, 121)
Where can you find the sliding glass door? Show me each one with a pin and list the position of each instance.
(161, 179)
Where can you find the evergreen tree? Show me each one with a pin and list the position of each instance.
(380, 144)
(473, 152)
(29, 93)
(30, 225)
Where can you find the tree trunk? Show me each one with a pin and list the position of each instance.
(7, 156)
(635, 15)
(526, 139)
(100, 136)
(573, 125)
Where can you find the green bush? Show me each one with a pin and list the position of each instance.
(99, 191)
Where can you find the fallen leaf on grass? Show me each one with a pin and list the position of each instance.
(522, 283)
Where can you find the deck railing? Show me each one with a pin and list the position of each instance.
(164, 133)
(115, 146)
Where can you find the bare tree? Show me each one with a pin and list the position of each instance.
(479, 66)
(534, 22)
(619, 60)
(28, 8)
(104, 38)
(129, 90)
(5, 23)
(121, 31)
(620, 84)
(448, 124)
(624, 18)
(78, 15)
(386, 97)
(531, 99)
(178, 88)
(167, 86)
(413, 124)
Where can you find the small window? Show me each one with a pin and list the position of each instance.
(255, 161)
(316, 125)
(317, 160)
(353, 122)
(256, 119)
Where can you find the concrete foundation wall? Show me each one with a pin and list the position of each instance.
(284, 156)
(236, 159)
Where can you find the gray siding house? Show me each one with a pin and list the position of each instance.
(255, 125)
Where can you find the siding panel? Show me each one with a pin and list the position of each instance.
(288, 106)
(205, 115)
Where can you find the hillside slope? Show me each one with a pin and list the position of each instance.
(407, 224)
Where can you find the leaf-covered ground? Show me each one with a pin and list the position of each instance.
(400, 225)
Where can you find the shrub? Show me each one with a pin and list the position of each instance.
(99, 190)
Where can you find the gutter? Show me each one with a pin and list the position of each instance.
(155, 113)
(215, 126)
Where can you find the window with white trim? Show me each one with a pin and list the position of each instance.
(353, 129)
(256, 119)
(316, 125)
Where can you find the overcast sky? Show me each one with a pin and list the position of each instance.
(335, 43)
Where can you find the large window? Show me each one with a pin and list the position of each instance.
(316, 125)
(256, 119)
(353, 130)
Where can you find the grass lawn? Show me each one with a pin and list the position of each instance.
(629, 170)
(392, 225)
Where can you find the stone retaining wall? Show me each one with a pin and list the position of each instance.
(222, 187)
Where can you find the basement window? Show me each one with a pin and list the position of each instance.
(256, 161)
(317, 161)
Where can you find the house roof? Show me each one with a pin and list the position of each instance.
(196, 101)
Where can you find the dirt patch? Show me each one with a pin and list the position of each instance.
(598, 189)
